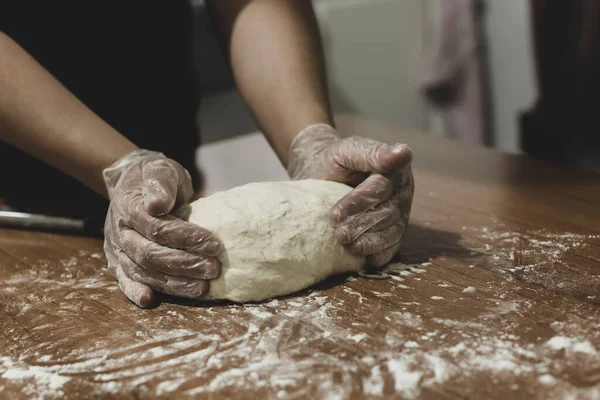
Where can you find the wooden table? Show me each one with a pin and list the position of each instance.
(502, 302)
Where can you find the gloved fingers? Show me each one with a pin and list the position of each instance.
(383, 257)
(381, 216)
(370, 243)
(406, 178)
(366, 155)
(185, 186)
(165, 183)
(402, 200)
(159, 186)
(138, 293)
(169, 284)
(372, 191)
(152, 256)
(168, 230)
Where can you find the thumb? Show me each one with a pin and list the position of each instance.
(165, 183)
(370, 156)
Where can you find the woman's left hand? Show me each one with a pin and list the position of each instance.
(370, 220)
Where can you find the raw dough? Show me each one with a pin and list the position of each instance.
(277, 237)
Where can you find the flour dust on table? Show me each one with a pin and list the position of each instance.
(277, 237)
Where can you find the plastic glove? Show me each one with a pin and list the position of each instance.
(370, 220)
(147, 249)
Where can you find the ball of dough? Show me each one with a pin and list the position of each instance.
(277, 237)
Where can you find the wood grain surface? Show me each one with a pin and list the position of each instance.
(501, 299)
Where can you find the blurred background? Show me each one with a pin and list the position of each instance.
(458, 68)
(380, 54)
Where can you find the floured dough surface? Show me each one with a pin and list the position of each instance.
(277, 237)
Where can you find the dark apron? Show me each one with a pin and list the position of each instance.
(129, 61)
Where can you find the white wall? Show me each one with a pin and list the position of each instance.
(374, 56)
(511, 67)
(374, 50)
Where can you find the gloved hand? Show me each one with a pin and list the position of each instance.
(147, 249)
(370, 220)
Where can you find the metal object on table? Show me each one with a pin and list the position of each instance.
(21, 220)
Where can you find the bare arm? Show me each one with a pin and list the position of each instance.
(39, 116)
(145, 249)
(277, 60)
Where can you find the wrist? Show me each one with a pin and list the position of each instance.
(306, 146)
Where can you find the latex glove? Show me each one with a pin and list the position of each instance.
(370, 220)
(147, 249)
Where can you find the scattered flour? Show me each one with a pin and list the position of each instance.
(393, 270)
(42, 383)
(576, 345)
(275, 346)
(547, 379)
(406, 381)
(373, 385)
(358, 337)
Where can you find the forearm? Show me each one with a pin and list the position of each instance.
(277, 60)
(39, 116)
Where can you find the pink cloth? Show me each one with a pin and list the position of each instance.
(453, 74)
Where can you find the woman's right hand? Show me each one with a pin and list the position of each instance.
(147, 248)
